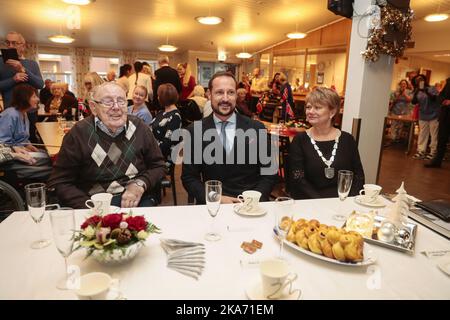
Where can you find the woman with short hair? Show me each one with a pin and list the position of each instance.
(139, 78)
(14, 132)
(60, 101)
(316, 156)
(167, 120)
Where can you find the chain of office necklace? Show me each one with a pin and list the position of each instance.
(328, 171)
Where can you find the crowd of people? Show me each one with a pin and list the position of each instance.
(124, 137)
(416, 98)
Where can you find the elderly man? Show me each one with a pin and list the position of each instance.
(111, 152)
(111, 76)
(17, 71)
(240, 157)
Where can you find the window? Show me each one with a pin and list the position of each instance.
(56, 67)
(103, 65)
(207, 69)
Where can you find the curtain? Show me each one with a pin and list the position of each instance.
(128, 57)
(81, 58)
(31, 52)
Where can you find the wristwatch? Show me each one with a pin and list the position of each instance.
(139, 183)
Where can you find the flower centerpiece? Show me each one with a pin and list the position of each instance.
(114, 238)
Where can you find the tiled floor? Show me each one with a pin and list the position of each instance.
(396, 166)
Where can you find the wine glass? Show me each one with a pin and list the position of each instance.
(63, 227)
(213, 194)
(344, 184)
(284, 207)
(35, 195)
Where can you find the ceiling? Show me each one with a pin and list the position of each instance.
(143, 25)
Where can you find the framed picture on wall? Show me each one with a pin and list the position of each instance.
(320, 77)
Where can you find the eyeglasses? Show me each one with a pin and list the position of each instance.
(109, 103)
(12, 43)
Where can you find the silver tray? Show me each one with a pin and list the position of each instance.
(407, 247)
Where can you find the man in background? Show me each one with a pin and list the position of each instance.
(165, 74)
(45, 93)
(14, 72)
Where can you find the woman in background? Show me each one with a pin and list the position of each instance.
(124, 74)
(198, 95)
(139, 108)
(287, 100)
(90, 81)
(61, 102)
(400, 104)
(275, 85)
(187, 81)
(167, 120)
(138, 78)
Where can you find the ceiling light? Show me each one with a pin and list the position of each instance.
(210, 20)
(167, 48)
(243, 55)
(296, 35)
(436, 17)
(59, 38)
(79, 2)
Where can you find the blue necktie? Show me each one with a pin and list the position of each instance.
(223, 134)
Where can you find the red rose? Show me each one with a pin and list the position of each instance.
(112, 220)
(92, 221)
(137, 223)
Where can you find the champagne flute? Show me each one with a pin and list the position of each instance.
(284, 207)
(213, 194)
(345, 179)
(35, 195)
(63, 227)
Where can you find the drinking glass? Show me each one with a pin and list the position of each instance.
(344, 184)
(213, 194)
(63, 227)
(35, 195)
(284, 207)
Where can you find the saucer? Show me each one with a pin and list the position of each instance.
(444, 265)
(237, 208)
(376, 204)
(254, 292)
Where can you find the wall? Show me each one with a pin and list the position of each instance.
(439, 70)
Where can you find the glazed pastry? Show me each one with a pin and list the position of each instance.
(314, 244)
(314, 223)
(353, 252)
(333, 236)
(325, 246)
(310, 230)
(338, 252)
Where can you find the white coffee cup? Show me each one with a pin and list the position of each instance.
(249, 200)
(370, 192)
(275, 277)
(99, 203)
(97, 286)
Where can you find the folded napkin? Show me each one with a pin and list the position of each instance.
(185, 257)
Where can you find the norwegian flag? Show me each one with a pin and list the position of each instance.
(284, 99)
(259, 105)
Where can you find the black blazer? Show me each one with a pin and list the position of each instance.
(165, 74)
(236, 177)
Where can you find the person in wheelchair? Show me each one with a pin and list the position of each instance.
(24, 160)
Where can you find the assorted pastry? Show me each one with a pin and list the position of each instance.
(329, 241)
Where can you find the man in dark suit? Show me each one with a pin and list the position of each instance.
(165, 74)
(240, 155)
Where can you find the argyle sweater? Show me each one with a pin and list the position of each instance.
(90, 161)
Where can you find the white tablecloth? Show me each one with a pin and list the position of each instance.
(32, 274)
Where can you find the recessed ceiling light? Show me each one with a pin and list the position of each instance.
(243, 55)
(436, 17)
(296, 35)
(167, 48)
(78, 2)
(210, 20)
(59, 38)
